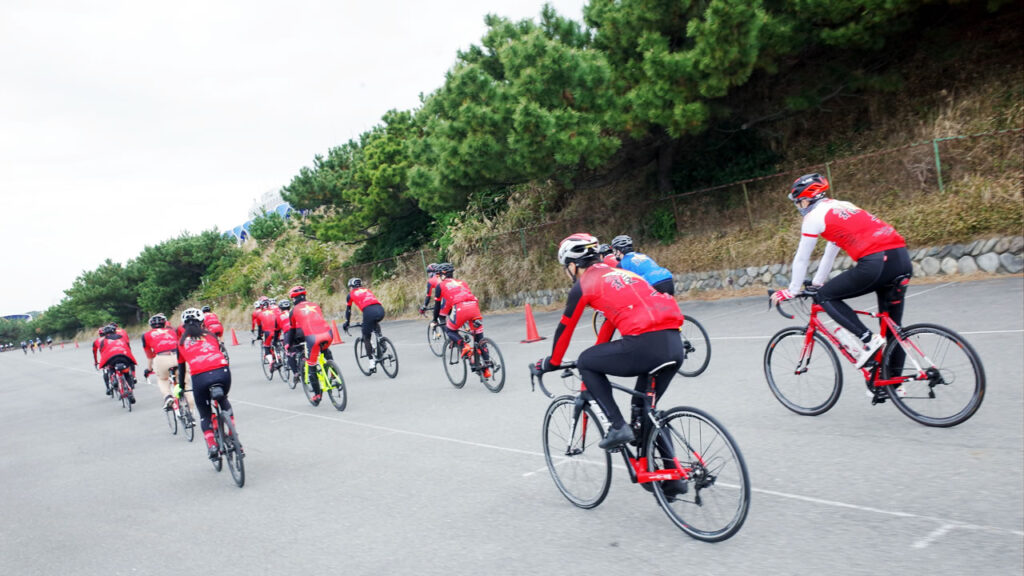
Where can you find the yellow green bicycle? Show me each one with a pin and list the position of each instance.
(328, 376)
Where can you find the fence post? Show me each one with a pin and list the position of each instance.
(938, 165)
(675, 214)
(746, 199)
(422, 259)
(522, 240)
(828, 172)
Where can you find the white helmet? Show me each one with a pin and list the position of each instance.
(192, 315)
(577, 247)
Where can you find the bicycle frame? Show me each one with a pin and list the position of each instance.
(321, 362)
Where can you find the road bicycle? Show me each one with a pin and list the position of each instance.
(229, 447)
(684, 456)
(458, 366)
(929, 372)
(436, 337)
(224, 350)
(383, 351)
(119, 383)
(180, 412)
(328, 375)
(696, 344)
(272, 363)
(282, 368)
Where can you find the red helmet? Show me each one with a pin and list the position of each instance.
(809, 187)
(297, 291)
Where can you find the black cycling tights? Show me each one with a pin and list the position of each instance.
(873, 273)
(630, 356)
(201, 384)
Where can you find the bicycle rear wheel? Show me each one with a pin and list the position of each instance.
(697, 346)
(807, 380)
(232, 450)
(436, 339)
(946, 381)
(362, 360)
(597, 321)
(224, 351)
(388, 357)
(715, 504)
(454, 365)
(172, 421)
(497, 365)
(582, 471)
(218, 439)
(266, 366)
(188, 421)
(337, 391)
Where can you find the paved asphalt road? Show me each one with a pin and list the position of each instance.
(416, 477)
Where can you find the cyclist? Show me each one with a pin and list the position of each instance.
(212, 323)
(200, 350)
(373, 313)
(160, 344)
(308, 326)
(49, 342)
(268, 327)
(432, 279)
(882, 261)
(643, 265)
(284, 328)
(454, 299)
(114, 348)
(254, 326)
(649, 322)
(24, 348)
(608, 255)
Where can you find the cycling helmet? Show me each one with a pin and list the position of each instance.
(157, 321)
(604, 250)
(808, 187)
(578, 249)
(285, 304)
(446, 268)
(191, 315)
(354, 283)
(297, 291)
(107, 330)
(432, 268)
(622, 243)
(205, 309)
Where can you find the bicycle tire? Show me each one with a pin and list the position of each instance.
(597, 321)
(233, 453)
(224, 351)
(218, 463)
(362, 360)
(454, 365)
(337, 392)
(189, 422)
(285, 370)
(814, 390)
(172, 421)
(388, 357)
(581, 470)
(934, 402)
(307, 388)
(436, 339)
(266, 366)
(697, 346)
(718, 496)
(497, 380)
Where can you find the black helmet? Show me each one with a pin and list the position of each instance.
(446, 268)
(157, 321)
(432, 268)
(604, 249)
(107, 330)
(285, 304)
(205, 309)
(354, 283)
(623, 244)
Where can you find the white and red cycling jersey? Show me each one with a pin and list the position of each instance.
(202, 354)
(846, 227)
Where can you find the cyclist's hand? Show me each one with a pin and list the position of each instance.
(177, 390)
(812, 288)
(345, 327)
(543, 366)
(423, 310)
(146, 373)
(781, 296)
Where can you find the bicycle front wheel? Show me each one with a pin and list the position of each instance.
(188, 421)
(496, 363)
(362, 360)
(265, 363)
(172, 421)
(337, 391)
(597, 321)
(714, 505)
(224, 351)
(232, 449)
(803, 374)
(697, 346)
(388, 357)
(454, 365)
(582, 471)
(218, 439)
(436, 339)
(945, 379)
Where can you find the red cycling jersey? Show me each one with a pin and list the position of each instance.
(159, 340)
(113, 345)
(856, 231)
(212, 323)
(630, 305)
(284, 321)
(95, 349)
(268, 319)
(432, 283)
(202, 354)
(255, 320)
(453, 291)
(361, 297)
(611, 261)
(307, 317)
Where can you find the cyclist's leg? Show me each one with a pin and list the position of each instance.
(896, 275)
(471, 311)
(666, 286)
(162, 366)
(201, 395)
(312, 357)
(861, 279)
(372, 315)
(451, 327)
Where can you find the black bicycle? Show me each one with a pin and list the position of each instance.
(436, 338)
(119, 383)
(684, 456)
(458, 365)
(229, 447)
(180, 412)
(382, 350)
(282, 368)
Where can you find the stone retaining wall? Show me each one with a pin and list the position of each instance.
(1004, 255)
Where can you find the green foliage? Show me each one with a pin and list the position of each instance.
(662, 225)
(267, 226)
(170, 271)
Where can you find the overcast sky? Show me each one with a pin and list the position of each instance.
(125, 123)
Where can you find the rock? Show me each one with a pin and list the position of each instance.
(918, 272)
(1002, 245)
(957, 250)
(767, 277)
(744, 280)
(974, 248)
(775, 268)
(989, 262)
(1016, 245)
(781, 280)
(930, 266)
(948, 266)
(966, 265)
(751, 271)
(1013, 263)
(943, 252)
(989, 244)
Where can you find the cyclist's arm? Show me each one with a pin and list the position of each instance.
(348, 308)
(825, 266)
(570, 317)
(437, 302)
(801, 261)
(606, 332)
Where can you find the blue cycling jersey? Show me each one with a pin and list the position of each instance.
(643, 265)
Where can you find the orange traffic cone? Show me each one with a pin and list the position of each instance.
(234, 339)
(531, 327)
(337, 334)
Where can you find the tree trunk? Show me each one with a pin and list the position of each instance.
(666, 156)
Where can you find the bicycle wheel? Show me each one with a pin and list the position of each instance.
(188, 422)
(232, 450)
(362, 360)
(454, 365)
(388, 357)
(582, 471)
(285, 371)
(218, 439)
(172, 421)
(946, 381)
(307, 387)
(597, 321)
(717, 498)
(497, 380)
(436, 339)
(337, 392)
(697, 346)
(266, 367)
(804, 388)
